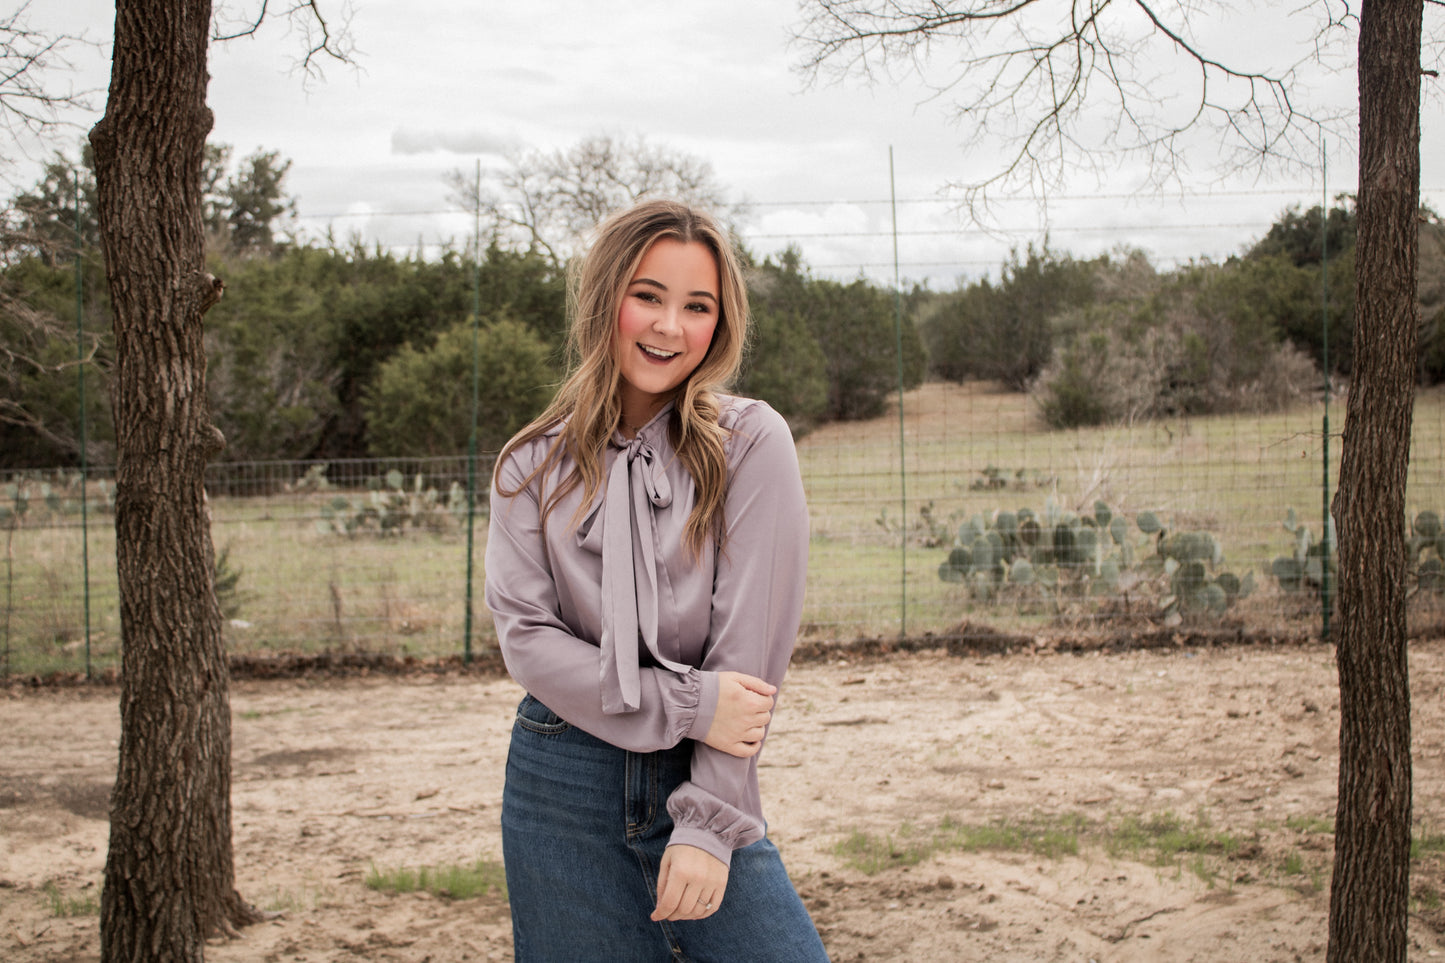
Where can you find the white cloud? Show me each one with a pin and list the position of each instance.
(411, 140)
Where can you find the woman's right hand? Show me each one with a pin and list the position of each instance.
(744, 709)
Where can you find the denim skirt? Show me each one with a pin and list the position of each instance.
(584, 827)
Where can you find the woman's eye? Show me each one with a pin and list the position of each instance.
(699, 307)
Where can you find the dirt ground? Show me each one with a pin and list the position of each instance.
(334, 776)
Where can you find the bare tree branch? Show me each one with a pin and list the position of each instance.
(30, 103)
(28, 332)
(14, 414)
(321, 39)
(249, 29)
(1079, 84)
(549, 202)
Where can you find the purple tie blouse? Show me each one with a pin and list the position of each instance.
(615, 627)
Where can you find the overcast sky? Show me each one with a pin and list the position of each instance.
(444, 83)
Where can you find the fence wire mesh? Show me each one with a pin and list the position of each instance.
(1007, 527)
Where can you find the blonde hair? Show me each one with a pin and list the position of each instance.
(588, 404)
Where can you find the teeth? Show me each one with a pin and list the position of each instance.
(659, 354)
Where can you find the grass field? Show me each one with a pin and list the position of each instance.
(879, 534)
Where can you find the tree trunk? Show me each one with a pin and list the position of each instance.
(169, 879)
(1370, 889)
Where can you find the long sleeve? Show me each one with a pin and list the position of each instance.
(757, 603)
(543, 652)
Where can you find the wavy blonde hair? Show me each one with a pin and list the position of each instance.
(588, 404)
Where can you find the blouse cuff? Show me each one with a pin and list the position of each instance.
(702, 820)
(684, 698)
(706, 706)
(703, 840)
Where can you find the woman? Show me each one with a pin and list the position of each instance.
(645, 568)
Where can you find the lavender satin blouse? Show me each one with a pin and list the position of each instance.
(619, 630)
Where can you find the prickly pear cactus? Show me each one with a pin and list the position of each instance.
(1060, 557)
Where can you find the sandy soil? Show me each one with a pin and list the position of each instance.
(335, 775)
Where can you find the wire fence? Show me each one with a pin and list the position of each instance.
(970, 517)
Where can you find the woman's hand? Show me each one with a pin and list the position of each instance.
(690, 883)
(744, 709)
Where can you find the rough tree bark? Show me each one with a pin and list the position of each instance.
(1369, 891)
(169, 878)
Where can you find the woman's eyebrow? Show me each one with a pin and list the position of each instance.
(663, 287)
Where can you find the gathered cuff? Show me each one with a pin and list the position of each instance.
(703, 840)
(706, 706)
(702, 820)
(694, 694)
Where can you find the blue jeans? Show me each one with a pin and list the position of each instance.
(584, 827)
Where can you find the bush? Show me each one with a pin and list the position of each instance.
(1005, 332)
(852, 325)
(785, 367)
(421, 401)
(1207, 342)
(1100, 377)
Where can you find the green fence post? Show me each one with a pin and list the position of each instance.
(80, 380)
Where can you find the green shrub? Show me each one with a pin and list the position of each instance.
(421, 401)
(785, 367)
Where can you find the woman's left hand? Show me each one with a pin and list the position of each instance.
(690, 884)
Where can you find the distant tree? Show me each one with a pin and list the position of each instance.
(39, 426)
(273, 359)
(34, 94)
(1113, 352)
(1283, 274)
(255, 205)
(1300, 238)
(1096, 380)
(1005, 332)
(853, 325)
(1294, 237)
(786, 367)
(549, 201)
(526, 286)
(1431, 296)
(43, 219)
(421, 400)
(1288, 295)
(301, 336)
(39, 403)
(1201, 339)
(214, 204)
(372, 304)
(38, 352)
(945, 324)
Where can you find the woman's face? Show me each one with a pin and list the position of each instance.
(665, 324)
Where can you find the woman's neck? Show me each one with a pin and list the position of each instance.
(637, 413)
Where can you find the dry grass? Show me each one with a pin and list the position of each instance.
(304, 591)
(1234, 476)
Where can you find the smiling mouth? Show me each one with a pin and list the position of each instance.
(658, 354)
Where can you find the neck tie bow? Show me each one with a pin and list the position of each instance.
(637, 484)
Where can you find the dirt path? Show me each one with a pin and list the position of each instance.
(1195, 786)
